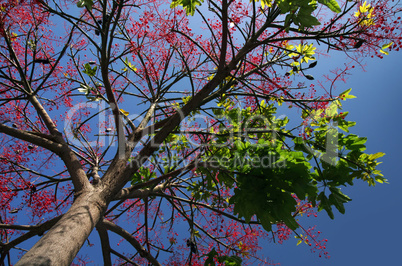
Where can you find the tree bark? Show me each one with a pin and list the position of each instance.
(63, 241)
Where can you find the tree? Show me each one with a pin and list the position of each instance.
(185, 98)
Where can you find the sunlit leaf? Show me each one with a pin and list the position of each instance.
(124, 112)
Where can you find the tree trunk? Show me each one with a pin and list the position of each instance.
(61, 244)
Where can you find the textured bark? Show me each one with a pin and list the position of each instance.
(60, 245)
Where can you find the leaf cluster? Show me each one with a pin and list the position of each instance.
(255, 159)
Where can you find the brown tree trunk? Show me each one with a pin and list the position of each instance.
(61, 244)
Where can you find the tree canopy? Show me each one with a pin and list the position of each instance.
(161, 123)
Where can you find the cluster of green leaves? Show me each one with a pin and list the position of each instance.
(298, 12)
(228, 260)
(166, 159)
(305, 51)
(219, 153)
(189, 5)
(266, 190)
(129, 66)
(142, 175)
(89, 70)
(266, 166)
(91, 93)
(341, 156)
(172, 147)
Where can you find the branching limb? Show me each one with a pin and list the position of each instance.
(104, 237)
(46, 142)
(33, 231)
(212, 208)
(134, 191)
(131, 239)
(123, 257)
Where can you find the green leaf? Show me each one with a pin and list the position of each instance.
(124, 112)
(210, 257)
(81, 3)
(385, 46)
(291, 223)
(142, 175)
(189, 5)
(197, 234)
(87, 3)
(384, 52)
(331, 4)
(228, 260)
(89, 70)
(239, 145)
(325, 205)
(344, 125)
(306, 20)
(357, 145)
(345, 95)
(376, 155)
(338, 204)
(85, 89)
(331, 110)
(337, 198)
(128, 64)
(93, 98)
(337, 193)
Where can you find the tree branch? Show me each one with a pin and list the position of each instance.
(37, 139)
(127, 236)
(33, 231)
(104, 237)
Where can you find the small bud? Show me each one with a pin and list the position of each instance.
(309, 77)
(312, 64)
(194, 248)
(358, 44)
(44, 61)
